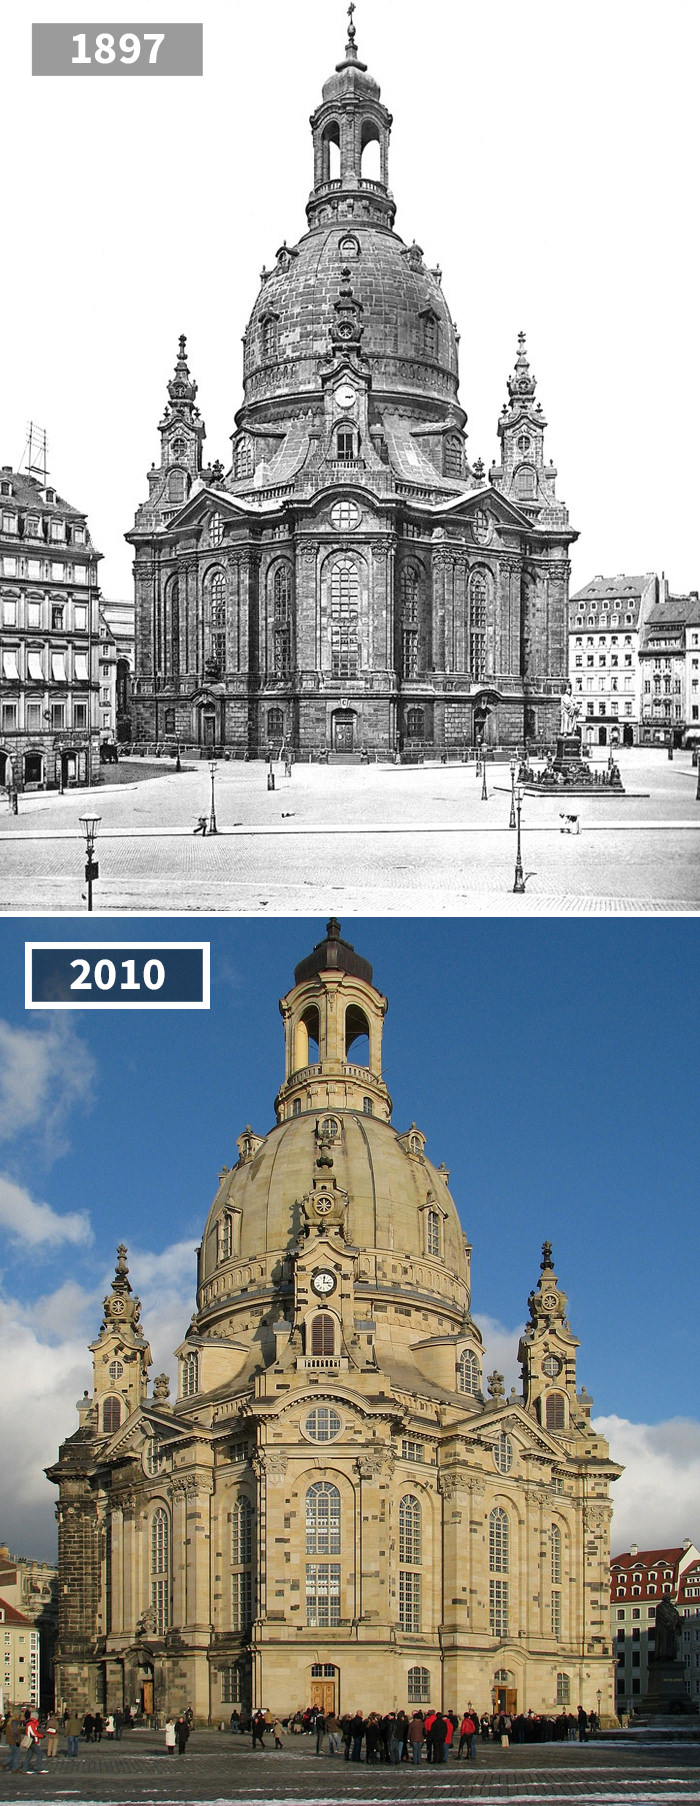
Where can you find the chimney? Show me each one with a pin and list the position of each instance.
(634, 1550)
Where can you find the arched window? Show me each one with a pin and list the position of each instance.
(216, 528)
(410, 590)
(275, 724)
(244, 458)
(555, 1411)
(430, 335)
(160, 1570)
(556, 1555)
(415, 722)
(563, 1690)
(111, 1415)
(330, 152)
(269, 337)
(281, 600)
(410, 1531)
(503, 1453)
(499, 1538)
(370, 151)
(356, 1035)
(418, 1687)
(323, 1334)
(525, 482)
(468, 1377)
(242, 1518)
(452, 457)
(242, 1521)
(190, 1375)
(433, 1233)
(217, 617)
(344, 610)
(306, 1035)
(176, 486)
(345, 442)
(225, 1248)
(179, 448)
(172, 628)
(323, 1519)
(477, 624)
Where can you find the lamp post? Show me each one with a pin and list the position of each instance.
(519, 885)
(212, 814)
(513, 769)
(599, 1697)
(479, 751)
(90, 825)
(484, 791)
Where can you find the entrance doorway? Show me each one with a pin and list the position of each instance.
(208, 727)
(344, 731)
(602, 736)
(324, 1680)
(628, 736)
(33, 768)
(69, 769)
(5, 768)
(505, 1699)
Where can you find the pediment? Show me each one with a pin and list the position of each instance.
(504, 511)
(140, 1426)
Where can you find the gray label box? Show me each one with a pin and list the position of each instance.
(134, 49)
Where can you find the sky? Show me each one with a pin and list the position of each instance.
(546, 158)
(551, 1065)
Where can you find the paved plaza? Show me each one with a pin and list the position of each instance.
(374, 840)
(221, 1768)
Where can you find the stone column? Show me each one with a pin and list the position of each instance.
(131, 1604)
(375, 1470)
(117, 1534)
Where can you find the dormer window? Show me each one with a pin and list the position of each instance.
(270, 339)
(430, 335)
(432, 1233)
(190, 1375)
(323, 1335)
(111, 1415)
(345, 445)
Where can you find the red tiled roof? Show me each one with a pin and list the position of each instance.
(647, 1558)
(12, 1616)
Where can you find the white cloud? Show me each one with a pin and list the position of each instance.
(500, 1349)
(39, 1225)
(657, 1498)
(44, 1073)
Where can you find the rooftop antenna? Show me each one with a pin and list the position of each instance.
(33, 458)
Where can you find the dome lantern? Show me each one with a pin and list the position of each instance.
(351, 117)
(333, 1019)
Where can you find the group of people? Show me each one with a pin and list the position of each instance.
(29, 1736)
(396, 1737)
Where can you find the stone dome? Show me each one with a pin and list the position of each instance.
(408, 336)
(388, 1183)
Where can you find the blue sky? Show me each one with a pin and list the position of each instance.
(551, 1066)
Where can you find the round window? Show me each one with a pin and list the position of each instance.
(345, 516)
(551, 1366)
(503, 1454)
(115, 1370)
(323, 1424)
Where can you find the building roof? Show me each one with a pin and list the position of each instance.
(12, 1616)
(29, 492)
(647, 1558)
(623, 585)
(675, 611)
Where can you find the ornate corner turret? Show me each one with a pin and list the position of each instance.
(547, 1352)
(121, 1355)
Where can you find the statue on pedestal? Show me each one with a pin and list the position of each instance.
(669, 1625)
(570, 713)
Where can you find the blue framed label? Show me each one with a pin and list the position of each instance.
(116, 975)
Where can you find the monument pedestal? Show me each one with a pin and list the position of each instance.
(666, 1696)
(568, 751)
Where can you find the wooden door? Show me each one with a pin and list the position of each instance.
(344, 735)
(323, 1696)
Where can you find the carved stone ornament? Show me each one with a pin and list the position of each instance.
(126, 1503)
(450, 1484)
(374, 1463)
(596, 1518)
(276, 1464)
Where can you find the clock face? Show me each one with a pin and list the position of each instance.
(323, 1283)
(322, 1205)
(345, 396)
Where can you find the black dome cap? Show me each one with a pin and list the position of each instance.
(332, 953)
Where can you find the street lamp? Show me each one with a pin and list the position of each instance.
(212, 816)
(513, 769)
(479, 751)
(519, 885)
(484, 791)
(599, 1697)
(90, 825)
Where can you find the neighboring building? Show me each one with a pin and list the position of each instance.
(31, 1588)
(119, 617)
(666, 662)
(637, 1581)
(108, 682)
(19, 1675)
(692, 677)
(606, 623)
(339, 1505)
(49, 636)
(353, 581)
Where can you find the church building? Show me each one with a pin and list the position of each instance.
(339, 1506)
(352, 582)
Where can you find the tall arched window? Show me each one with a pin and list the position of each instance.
(410, 1531)
(452, 457)
(244, 458)
(111, 1415)
(275, 724)
(419, 1687)
(525, 482)
(499, 1555)
(242, 1521)
(409, 620)
(430, 335)
(160, 1570)
(477, 624)
(217, 616)
(468, 1377)
(323, 1334)
(176, 486)
(344, 611)
(190, 1375)
(433, 1233)
(555, 1411)
(499, 1536)
(409, 1560)
(415, 722)
(172, 628)
(556, 1555)
(281, 601)
(269, 337)
(323, 1519)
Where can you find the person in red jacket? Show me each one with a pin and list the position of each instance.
(33, 1748)
(467, 1735)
